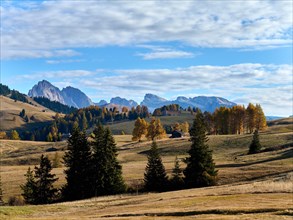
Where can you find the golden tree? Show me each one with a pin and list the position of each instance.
(260, 119)
(140, 129)
(155, 130)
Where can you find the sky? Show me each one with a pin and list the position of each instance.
(240, 50)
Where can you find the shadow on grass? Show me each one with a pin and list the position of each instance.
(286, 154)
(205, 212)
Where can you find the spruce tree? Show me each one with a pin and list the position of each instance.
(44, 180)
(255, 145)
(99, 161)
(29, 189)
(107, 172)
(177, 181)
(114, 170)
(78, 162)
(200, 170)
(39, 188)
(155, 177)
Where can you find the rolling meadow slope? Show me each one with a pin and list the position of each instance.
(9, 114)
(258, 186)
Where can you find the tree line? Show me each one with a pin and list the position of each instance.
(13, 94)
(85, 118)
(54, 105)
(235, 120)
(172, 108)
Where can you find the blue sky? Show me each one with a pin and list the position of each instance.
(239, 50)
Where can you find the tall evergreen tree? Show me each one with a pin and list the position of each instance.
(29, 189)
(200, 170)
(44, 182)
(115, 183)
(78, 162)
(155, 177)
(99, 161)
(107, 172)
(255, 145)
(177, 181)
(39, 188)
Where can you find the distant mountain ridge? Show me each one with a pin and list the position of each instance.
(204, 103)
(124, 102)
(69, 96)
(74, 97)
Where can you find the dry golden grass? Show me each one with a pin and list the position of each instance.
(250, 186)
(10, 109)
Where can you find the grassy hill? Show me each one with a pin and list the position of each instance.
(256, 186)
(127, 126)
(9, 114)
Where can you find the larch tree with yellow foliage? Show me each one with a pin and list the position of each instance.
(140, 129)
(155, 130)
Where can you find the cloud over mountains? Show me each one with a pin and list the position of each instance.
(48, 28)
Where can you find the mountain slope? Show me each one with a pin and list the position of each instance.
(69, 96)
(76, 98)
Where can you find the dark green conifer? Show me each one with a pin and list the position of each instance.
(44, 182)
(39, 188)
(29, 189)
(255, 145)
(177, 181)
(107, 171)
(200, 170)
(78, 162)
(155, 177)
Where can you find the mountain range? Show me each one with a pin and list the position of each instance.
(76, 98)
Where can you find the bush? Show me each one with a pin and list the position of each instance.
(16, 201)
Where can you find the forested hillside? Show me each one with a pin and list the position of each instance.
(13, 94)
(54, 105)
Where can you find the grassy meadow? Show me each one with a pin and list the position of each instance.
(256, 186)
(10, 119)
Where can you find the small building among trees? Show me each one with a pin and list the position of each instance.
(176, 134)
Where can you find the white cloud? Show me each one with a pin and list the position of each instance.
(70, 74)
(164, 53)
(33, 53)
(63, 61)
(54, 25)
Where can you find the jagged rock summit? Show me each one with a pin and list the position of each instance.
(47, 90)
(69, 96)
(204, 103)
(123, 102)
